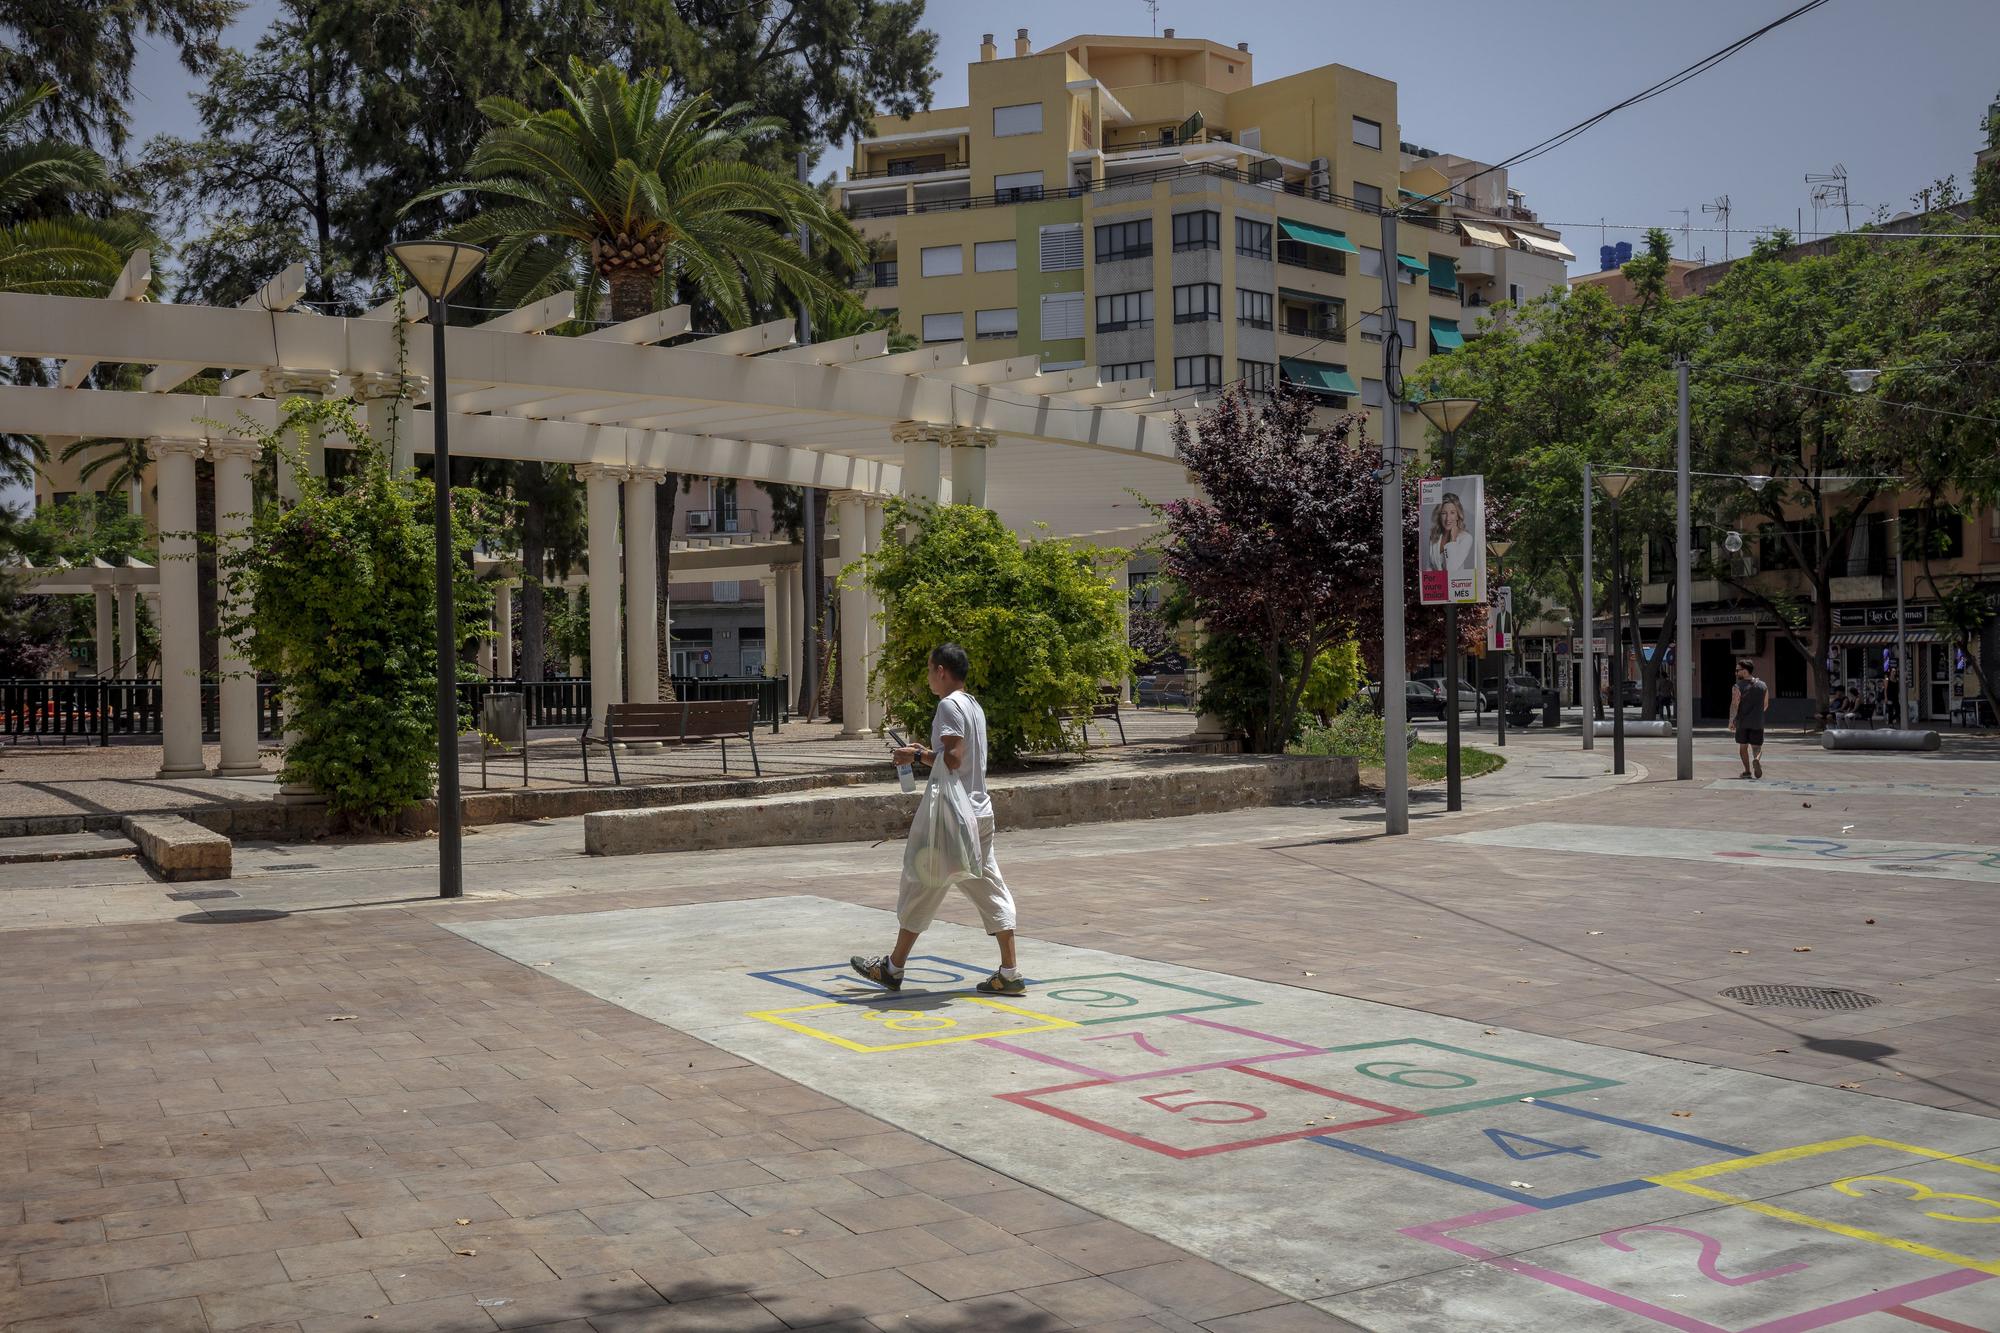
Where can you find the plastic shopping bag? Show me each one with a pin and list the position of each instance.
(944, 837)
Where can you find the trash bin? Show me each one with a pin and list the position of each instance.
(1552, 713)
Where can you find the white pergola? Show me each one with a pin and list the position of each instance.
(1055, 451)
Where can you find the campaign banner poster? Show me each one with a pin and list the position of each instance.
(1500, 624)
(1451, 540)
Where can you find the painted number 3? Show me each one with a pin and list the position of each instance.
(1920, 1193)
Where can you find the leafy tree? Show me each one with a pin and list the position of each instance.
(88, 50)
(339, 604)
(1039, 620)
(1334, 679)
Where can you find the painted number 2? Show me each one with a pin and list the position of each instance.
(1711, 1250)
(1920, 1193)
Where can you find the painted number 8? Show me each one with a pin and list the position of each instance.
(909, 1020)
(1406, 1075)
(1919, 1193)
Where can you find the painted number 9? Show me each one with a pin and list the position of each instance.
(909, 1020)
(1406, 1075)
(1091, 998)
(1919, 1193)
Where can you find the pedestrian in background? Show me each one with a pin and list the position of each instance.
(1746, 717)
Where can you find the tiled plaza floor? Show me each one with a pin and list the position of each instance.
(284, 1110)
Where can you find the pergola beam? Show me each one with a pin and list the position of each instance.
(748, 342)
(540, 317)
(1106, 395)
(934, 357)
(280, 293)
(990, 372)
(131, 285)
(1051, 382)
(839, 352)
(654, 328)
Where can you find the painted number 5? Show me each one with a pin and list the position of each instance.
(1159, 1099)
(1711, 1250)
(1919, 1193)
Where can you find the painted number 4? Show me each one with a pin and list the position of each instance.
(1505, 1140)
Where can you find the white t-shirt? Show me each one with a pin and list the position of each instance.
(959, 714)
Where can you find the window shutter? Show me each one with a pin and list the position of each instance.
(1062, 314)
(1062, 247)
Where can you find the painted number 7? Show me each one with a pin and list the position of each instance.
(1159, 1099)
(1138, 1039)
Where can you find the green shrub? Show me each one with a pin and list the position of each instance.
(1039, 619)
(1335, 678)
(1356, 731)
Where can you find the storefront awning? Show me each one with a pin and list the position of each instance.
(1485, 235)
(1326, 238)
(1445, 334)
(1314, 375)
(1880, 638)
(1542, 245)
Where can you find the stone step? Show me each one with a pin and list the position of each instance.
(96, 845)
(1083, 794)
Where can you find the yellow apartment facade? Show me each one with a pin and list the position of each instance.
(1142, 205)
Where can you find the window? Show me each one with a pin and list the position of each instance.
(1025, 118)
(944, 328)
(997, 323)
(1125, 240)
(726, 516)
(911, 166)
(1371, 262)
(1198, 372)
(1127, 370)
(1253, 239)
(1936, 533)
(1257, 376)
(1367, 133)
(942, 261)
(1125, 310)
(1372, 394)
(1198, 231)
(1408, 329)
(1197, 302)
(1371, 327)
(1253, 309)
(993, 257)
(1790, 680)
(1062, 316)
(1062, 247)
(1017, 186)
(725, 590)
(1368, 196)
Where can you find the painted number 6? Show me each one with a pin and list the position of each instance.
(1407, 1075)
(1159, 1099)
(1918, 1193)
(1711, 1250)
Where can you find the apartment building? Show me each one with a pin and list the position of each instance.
(1143, 205)
(1507, 254)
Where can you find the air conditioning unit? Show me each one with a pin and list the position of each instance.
(1320, 176)
(698, 520)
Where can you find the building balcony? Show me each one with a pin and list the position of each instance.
(1480, 261)
(912, 171)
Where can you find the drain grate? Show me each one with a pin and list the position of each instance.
(1802, 997)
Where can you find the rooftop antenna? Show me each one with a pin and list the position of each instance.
(1829, 189)
(1721, 210)
(1687, 231)
(1153, 6)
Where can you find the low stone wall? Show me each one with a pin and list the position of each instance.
(1086, 794)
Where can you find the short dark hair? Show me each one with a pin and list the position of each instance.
(953, 659)
(1746, 664)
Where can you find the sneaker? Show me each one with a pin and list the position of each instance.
(1758, 765)
(877, 971)
(1744, 775)
(999, 985)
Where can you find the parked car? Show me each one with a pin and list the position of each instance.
(1520, 685)
(1469, 699)
(1421, 699)
(1633, 695)
(1167, 689)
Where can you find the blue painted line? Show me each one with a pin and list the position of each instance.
(1483, 1186)
(1649, 1129)
(782, 977)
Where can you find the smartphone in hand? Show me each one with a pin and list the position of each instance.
(895, 736)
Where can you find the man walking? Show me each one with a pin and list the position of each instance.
(1746, 717)
(958, 738)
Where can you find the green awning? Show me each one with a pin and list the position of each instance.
(1444, 273)
(1308, 298)
(1314, 375)
(1445, 334)
(1305, 233)
(1414, 265)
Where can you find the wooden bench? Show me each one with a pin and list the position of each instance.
(1104, 710)
(719, 720)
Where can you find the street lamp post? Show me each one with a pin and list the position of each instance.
(440, 268)
(1615, 485)
(1447, 415)
(1683, 585)
(1500, 550)
(1587, 667)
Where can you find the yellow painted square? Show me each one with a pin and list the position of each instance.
(1684, 1182)
(1039, 1023)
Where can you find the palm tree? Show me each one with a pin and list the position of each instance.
(656, 199)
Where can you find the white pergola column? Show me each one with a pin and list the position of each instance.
(853, 515)
(313, 386)
(128, 632)
(923, 460)
(878, 713)
(601, 497)
(105, 662)
(780, 653)
(180, 620)
(642, 587)
(768, 588)
(233, 461)
(503, 629)
(968, 465)
(390, 401)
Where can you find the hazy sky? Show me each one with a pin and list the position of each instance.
(1892, 89)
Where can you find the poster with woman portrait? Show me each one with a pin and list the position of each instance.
(1451, 540)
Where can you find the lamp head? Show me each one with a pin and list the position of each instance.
(1733, 543)
(1615, 484)
(1757, 481)
(438, 267)
(1500, 548)
(1447, 414)
(1861, 380)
